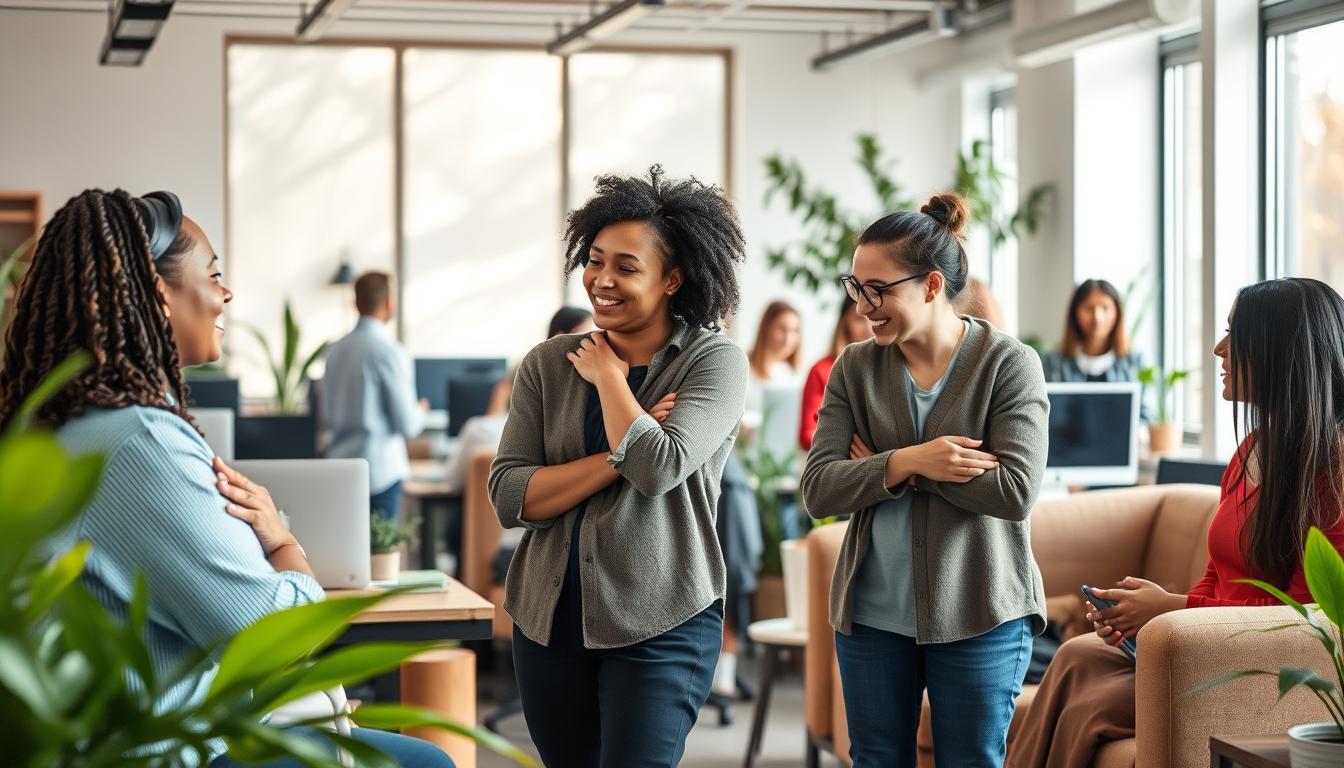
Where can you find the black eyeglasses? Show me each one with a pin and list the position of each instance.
(872, 293)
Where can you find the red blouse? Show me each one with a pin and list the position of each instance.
(1226, 563)
(814, 391)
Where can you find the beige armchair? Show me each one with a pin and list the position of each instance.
(1156, 533)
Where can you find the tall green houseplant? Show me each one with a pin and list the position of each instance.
(830, 231)
(982, 183)
(290, 375)
(78, 688)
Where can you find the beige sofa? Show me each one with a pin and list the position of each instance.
(1157, 533)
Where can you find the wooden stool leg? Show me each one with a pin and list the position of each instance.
(444, 681)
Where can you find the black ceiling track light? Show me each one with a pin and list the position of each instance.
(132, 27)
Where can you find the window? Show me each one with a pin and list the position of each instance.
(1003, 266)
(1183, 339)
(461, 195)
(1304, 141)
(310, 169)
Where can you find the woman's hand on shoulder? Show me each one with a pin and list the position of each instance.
(252, 504)
(950, 459)
(595, 359)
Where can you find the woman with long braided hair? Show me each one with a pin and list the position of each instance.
(137, 285)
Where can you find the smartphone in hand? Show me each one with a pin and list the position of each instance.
(1127, 645)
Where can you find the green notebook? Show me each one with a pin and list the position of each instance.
(423, 581)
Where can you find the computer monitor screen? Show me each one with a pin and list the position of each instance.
(1093, 434)
(468, 397)
(213, 392)
(432, 375)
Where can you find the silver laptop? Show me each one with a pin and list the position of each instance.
(327, 501)
(217, 424)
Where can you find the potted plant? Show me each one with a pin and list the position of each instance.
(78, 688)
(1313, 745)
(766, 473)
(1163, 436)
(291, 376)
(385, 539)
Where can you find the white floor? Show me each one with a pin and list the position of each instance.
(710, 745)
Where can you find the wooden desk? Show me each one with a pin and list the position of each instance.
(456, 613)
(1249, 751)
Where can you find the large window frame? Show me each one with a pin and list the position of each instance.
(1278, 20)
(1175, 310)
(564, 147)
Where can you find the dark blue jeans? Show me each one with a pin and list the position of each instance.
(628, 707)
(405, 751)
(389, 501)
(972, 686)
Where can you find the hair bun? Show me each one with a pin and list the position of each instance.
(950, 210)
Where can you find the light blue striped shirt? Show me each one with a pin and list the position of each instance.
(369, 403)
(157, 510)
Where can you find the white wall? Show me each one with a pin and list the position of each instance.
(70, 124)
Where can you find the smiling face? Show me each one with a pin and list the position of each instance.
(905, 309)
(195, 299)
(626, 279)
(1223, 350)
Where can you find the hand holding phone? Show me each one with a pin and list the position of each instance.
(1128, 645)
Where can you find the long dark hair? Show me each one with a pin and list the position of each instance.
(1073, 342)
(92, 287)
(1287, 352)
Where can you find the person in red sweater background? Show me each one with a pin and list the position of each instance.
(1283, 370)
(850, 327)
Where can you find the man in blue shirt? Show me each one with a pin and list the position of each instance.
(369, 396)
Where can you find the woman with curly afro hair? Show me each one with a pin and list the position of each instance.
(611, 459)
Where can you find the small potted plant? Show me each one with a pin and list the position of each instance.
(1311, 745)
(385, 539)
(1163, 436)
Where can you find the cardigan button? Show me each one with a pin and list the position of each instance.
(588, 559)
(555, 582)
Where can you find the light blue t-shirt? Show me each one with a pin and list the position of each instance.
(157, 511)
(884, 595)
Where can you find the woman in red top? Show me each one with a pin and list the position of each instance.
(850, 327)
(1283, 362)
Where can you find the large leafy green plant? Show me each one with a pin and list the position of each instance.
(1165, 385)
(11, 274)
(982, 183)
(77, 686)
(290, 375)
(830, 231)
(1324, 569)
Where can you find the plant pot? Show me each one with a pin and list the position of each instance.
(793, 557)
(769, 600)
(384, 566)
(1163, 438)
(1315, 745)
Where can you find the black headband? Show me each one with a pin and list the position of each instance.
(163, 220)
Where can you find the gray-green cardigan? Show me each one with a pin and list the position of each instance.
(973, 567)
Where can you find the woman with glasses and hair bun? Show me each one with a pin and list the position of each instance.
(933, 436)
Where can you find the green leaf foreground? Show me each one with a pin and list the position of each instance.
(1324, 569)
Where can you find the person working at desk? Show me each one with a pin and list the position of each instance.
(137, 285)
(369, 396)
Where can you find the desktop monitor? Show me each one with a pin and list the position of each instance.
(1094, 434)
(432, 375)
(467, 397)
(213, 392)
(327, 502)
